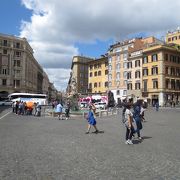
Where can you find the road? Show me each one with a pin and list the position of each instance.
(44, 148)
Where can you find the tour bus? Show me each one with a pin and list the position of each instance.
(28, 97)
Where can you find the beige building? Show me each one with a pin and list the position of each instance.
(19, 70)
(120, 68)
(173, 37)
(98, 76)
(161, 74)
(78, 81)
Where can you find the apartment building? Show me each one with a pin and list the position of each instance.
(78, 81)
(19, 70)
(173, 36)
(161, 74)
(124, 64)
(98, 76)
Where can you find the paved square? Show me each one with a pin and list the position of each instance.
(49, 149)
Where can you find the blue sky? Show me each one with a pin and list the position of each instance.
(11, 14)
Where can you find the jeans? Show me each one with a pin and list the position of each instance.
(139, 127)
(129, 132)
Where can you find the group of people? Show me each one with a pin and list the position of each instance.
(26, 108)
(59, 109)
(129, 118)
(132, 119)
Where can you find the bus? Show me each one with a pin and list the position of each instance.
(29, 97)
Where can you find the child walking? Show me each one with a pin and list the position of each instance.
(91, 120)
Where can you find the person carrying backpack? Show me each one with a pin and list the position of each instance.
(128, 122)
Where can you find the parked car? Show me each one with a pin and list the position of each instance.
(6, 103)
(100, 105)
(83, 105)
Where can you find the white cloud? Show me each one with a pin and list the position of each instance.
(56, 24)
(59, 77)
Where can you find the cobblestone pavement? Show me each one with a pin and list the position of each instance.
(44, 148)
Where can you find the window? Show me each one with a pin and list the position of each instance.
(4, 51)
(137, 85)
(125, 65)
(145, 59)
(167, 70)
(91, 67)
(118, 66)
(129, 86)
(145, 85)
(118, 57)
(17, 45)
(90, 85)
(99, 73)
(106, 72)
(95, 73)
(124, 93)
(110, 77)
(129, 65)
(125, 56)
(106, 84)
(169, 39)
(4, 82)
(110, 67)
(16, 83)
(137, 74)
(17, 63)
(90, 74)
(154, 57)
(17, 54)
(154, 70)
(145, 72)
(5, 43)
(137, 63)
(166, 57)
(167, 83)
(171, 58)
(118, 76)
(129, 75)
(155, 84)
(125, 74)
(95, 85)
(172, 71)
(172, 84)
(4, 71)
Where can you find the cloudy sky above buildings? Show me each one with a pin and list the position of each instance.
(57, 29)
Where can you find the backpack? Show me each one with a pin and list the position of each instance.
(123, 115)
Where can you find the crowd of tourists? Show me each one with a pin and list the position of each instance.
(26, 108)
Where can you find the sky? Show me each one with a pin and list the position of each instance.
(57, 30)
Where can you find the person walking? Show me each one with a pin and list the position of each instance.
(137, 118)
(91, 120)
(157, 106)
(67, 110)
(128, 115)
(59, 111)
